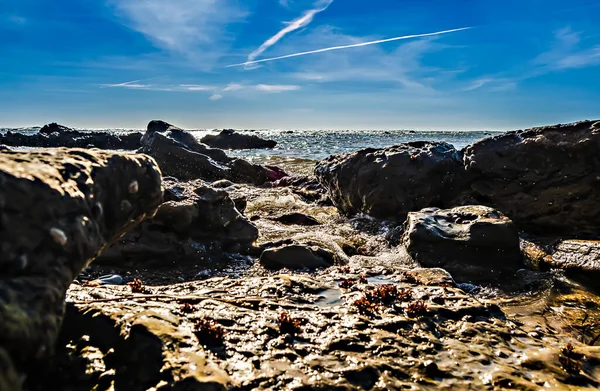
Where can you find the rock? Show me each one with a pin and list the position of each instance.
(179, 154)
(297, 219)
(546, 179)
(58, 209)
(471, 242)
(54, 135)
(390, 182)
(222, 184)
(230, 139)
(307, 187)
(193, 223)
(4, 148)
(297, 256)
(580, 259)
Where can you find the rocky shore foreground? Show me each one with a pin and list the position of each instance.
(418, 266)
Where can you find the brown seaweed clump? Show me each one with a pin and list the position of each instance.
(187, 308)
(569, 360)
(365, 307)
(347, 283)
(209, 332)
(288, 325)
(416, 308)
(137, 286)
(388, 294)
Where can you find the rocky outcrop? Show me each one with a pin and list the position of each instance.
(580, 259)
(55, 135)
(546, 179)
(230, 139)
(390, 182)
(195, 223)
(471, 242)
(179, 154)
(302, 252)
(58, 209)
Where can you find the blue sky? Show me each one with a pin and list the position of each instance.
(121, 63)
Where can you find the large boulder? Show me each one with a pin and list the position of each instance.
(230, 139)
(54, 135)
(58, 209)
(390, 182)
(179, 154)
(471, 242)
(195, 222)
(546, 179)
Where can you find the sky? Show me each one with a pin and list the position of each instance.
(300, 64)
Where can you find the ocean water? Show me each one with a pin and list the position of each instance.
(299, 150)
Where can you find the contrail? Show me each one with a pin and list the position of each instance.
(348, 46)
(292, 26)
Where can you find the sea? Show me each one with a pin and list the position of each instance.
(299, 150)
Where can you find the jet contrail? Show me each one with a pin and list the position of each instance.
(292, 26)
(348, 46)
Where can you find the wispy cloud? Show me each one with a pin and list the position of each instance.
(362, 44)
(197, 87)
(195, 29)
(567, 53)
(276, 88)
(134, 84)
(216, 97)
(233, 87)
(294, 25)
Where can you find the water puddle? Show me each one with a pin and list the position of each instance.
(330, 297)
(381, 280)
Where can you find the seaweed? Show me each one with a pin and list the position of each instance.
(347, 283)
(187, 308)
(416, 308)
(288, 325)
(365, 307)
(209, 332)
(388, 294)
(137, 286)
(569, 360)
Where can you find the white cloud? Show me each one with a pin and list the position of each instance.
(197, 87)
(129, 84)
(233, 87)
(191, 28)
(567, 53)
(216, 97)
(276, 88)
(294, 25)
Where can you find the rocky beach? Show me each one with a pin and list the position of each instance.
(160, 260)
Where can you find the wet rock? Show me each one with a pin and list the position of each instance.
(194, 222)
(179, 154)
(55, 135)
(580, 259)
(545, 179)
(390, 182)
(471, 242)
(297, 256)
(230, 139)
(222, 184)
(4, 148)
(58, 209)
(297, 219)
(307, 187)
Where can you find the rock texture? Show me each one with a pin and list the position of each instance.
(195, 223)
(546, 179)
(58, 209)
(297, 256)
(390, 182)
(179, 154)
(580, 259)
(471, 242)
(55, 135)
(230, 139)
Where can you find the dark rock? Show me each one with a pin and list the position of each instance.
(471, 242)
(307, 187)
(54, 135)
(546, 179)
(230, 139)
(179, 154)
(297, 256)
(390, 182)
(297, 219)
(580, 259)
(4, 148)
(194, 222)
(58, 209)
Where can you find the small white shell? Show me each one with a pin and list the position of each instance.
(134, 187)
(59, 236)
